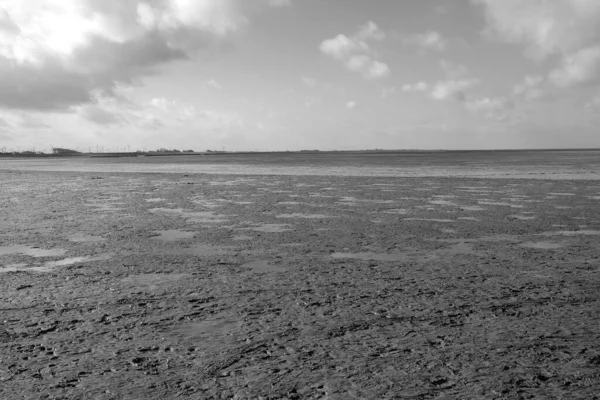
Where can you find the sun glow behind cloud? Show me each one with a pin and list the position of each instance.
(257, 74)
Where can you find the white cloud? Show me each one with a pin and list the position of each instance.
(489, 106)
(214, 84)
(454, 70)
(307, 81)
(99, 115)
(370, 31)
(55, 54)
(545, 27)
(356, 54)
(568, 29)
(453, 89)
(416, 87)
(431, 40)
(530, 88)
(581, 67)
(351, 105)
(341, 47)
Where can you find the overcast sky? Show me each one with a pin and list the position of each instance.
(299, 74)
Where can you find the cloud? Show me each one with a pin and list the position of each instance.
(453, 89)
(566, 29)
(214, 84)
(55, 54)
(356, 54)
(310, 82)
(530, 88)
(431, 40)
(454, 70)
(582, 67)
(545, 27)
(416, 87)
(489, 106)
(342, 47)
(99, 115)
(351, 105)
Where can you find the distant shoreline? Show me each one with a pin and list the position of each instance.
(300, 152)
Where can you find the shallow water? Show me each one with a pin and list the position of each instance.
(31, 251)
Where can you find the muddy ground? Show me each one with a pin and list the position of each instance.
(160, 286)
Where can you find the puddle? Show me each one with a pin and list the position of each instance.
(80, 238)
(303, 216)
(541, 245)
(155, 200)
(573, 233)
(192, 217)
(271, 228)
(206, 333)
(500, 203)
(397, 211)
(442, 202)
(372, 256)
(429, 219)
(469, 218)
(206, 250)
(472, 208)
(31, 251)
(173, 235)
(153, 281)
(261, 266)
(522, 217)
(561, 194)
(289, 203)
(51, 265)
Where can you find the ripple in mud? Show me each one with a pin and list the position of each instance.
(541, 245)
(81, 238)
(522, 217)
(372, 256)
(429, 220)
(192, 217)
(573, 233)
(173, 235)
(153, 281)
(500, 203)
(304, 216)
(472, 208)
(397, 211)
(206, 250)
(262, 266)
(271, 228)
(240, 238)
(155, 200)
(31, 251)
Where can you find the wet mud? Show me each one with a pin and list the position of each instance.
(191, 286)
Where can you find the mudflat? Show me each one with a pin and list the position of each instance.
(301, 278)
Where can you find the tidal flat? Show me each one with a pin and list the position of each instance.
(310, 277)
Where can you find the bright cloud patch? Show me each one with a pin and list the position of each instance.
(55, 54)
(431, 40)
(569, 29)
(356, 53)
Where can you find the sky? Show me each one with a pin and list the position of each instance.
(266, 75)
